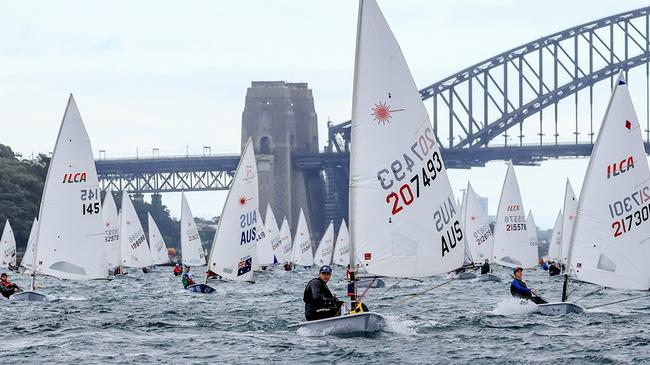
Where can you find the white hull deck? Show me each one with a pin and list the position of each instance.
(559, 309)
(348, 324)
(489, 277)
(29, 296)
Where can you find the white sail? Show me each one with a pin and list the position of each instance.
(302, 253)
(8, 247)
(532, 231)
(70, 241)
(555, 246)
(325, 250)
(470, 255)
(273, 234)
(111, 231)
(403, 215)
(235, 240)
(568, 219)
(159, 253)
(134, 248)
(191, 247)
(285, 239)
(264, 248)
(342, 247)
(477, 227)
(28, 258)
(610, 245)
(512, 246)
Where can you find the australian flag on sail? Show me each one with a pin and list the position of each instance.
(245, 266)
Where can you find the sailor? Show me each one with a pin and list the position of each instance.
(7, 288)
(518, 288)
(177, 270)
(146, 270)
(119, 271)
(320, 303)
(485, 268)
(187, 277)
(287, 266)
(554, 269)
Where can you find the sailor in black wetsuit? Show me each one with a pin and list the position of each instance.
(319, 301)
(518, 288)
(554, 269)
(485, 268)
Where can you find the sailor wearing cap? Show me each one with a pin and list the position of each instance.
(320, 303)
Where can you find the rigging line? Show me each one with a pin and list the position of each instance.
(573, 291)
(410, 296)
(389, 288)
(593, 292)
(619, 301)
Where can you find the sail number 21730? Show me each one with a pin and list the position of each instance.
(90, 201)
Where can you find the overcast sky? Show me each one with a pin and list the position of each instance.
(173, 75)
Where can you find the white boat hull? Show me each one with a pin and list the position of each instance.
(29, 296)
(377, 283)
(558, 309)
(353, 323)
(466, 276)
(489, 277)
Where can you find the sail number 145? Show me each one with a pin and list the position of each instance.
(87, 197)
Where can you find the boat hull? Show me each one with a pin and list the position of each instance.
(29, 296)
(466, 276)
(348, 324)
(558, 309)
(200, 288)
(489, 277)
(377, 283)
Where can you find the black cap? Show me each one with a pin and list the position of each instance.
(325, 268)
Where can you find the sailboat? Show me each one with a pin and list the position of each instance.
(8, 248)
(284, 254)
(159, 253)
(28, 258)
(133, 243)
(555, 246)
(191, 247)
(302, 253)
(70, 240)
(570, 209)
(609, 244)
(471, 253)
(233, 248)
(403, 215)
(512, 246)
(273, 234)
(477, 231)
(264, 248)
(324, 252)
(112, 232)
(342, 248)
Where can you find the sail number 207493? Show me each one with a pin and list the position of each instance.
(410, 189)
(90, 201)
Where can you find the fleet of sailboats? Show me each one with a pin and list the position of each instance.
(405, 221)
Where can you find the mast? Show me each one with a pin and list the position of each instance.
(353, 262)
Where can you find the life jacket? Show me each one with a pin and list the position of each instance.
(7, 284)
(514, 291)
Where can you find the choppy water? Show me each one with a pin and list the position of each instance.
(151, 319)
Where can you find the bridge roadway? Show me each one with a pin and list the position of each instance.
(215, 172)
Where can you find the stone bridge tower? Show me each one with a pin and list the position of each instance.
(281, 120)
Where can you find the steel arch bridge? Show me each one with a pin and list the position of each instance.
(510, 93)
